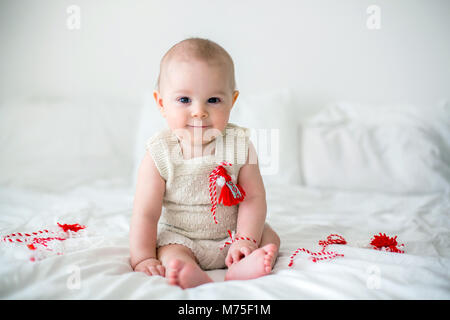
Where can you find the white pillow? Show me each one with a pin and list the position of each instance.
(386, 148)
(57, 143)
(273, 118)
(260, 113)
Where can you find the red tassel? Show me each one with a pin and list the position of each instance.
(231, 194)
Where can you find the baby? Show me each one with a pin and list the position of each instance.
(173, 231)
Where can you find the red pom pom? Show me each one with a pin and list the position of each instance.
(72, 227)
(383, 242)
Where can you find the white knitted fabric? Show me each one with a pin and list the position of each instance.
(186, 204)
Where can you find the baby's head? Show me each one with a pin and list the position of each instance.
(196, 89)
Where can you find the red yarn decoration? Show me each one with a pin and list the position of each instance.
(33, 238)
(322, 255)
(72, 227)
(383, 242)
(378, 242)
(230, 194)
(232, 240)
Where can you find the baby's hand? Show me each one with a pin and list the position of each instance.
(151, 267)
(238, 250)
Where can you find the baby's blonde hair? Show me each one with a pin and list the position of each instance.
(201, 49)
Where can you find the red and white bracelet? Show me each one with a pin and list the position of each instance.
(321, 255)
(234, 239)
(43, 240)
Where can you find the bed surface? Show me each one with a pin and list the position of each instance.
(302, 216)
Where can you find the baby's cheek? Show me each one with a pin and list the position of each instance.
(178, 120)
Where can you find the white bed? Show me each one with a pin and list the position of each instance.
(301, 216)
(345, 200)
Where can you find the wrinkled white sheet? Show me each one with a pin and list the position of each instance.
(300, 215)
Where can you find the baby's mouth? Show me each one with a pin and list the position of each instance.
(197, 126)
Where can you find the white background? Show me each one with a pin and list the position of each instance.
(321, 48)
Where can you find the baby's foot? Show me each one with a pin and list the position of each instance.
(186, 275)
(259, 263)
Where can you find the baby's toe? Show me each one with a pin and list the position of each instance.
(173, 273)
(173, 279)
(176, 264)
(267, 264)
(270, 248)
(269, 258)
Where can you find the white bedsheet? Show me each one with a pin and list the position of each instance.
(300, 215)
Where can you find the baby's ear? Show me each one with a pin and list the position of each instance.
(159, 101)
(158, 98)
(235, 96)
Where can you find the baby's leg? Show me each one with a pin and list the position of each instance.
(260, 262)
(181, 266)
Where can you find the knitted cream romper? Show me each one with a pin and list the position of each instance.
(186, 215)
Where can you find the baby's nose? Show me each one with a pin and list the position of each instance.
(199, 111)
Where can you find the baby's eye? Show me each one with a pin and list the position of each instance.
(184, 100)
(214, 100)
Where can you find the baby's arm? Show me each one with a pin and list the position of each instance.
(147, 207)
(252, 211)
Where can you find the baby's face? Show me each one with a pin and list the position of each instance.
(196, 99)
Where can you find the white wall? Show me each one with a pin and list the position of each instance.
(321, 48)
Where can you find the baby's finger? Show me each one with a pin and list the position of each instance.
(236, 256)
(246, 251)
(141, 269)
(162, 270)
(146, 272)
(153, 270)
(228, 260)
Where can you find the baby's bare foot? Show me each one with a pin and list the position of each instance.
(186, 275)
(259, 263)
